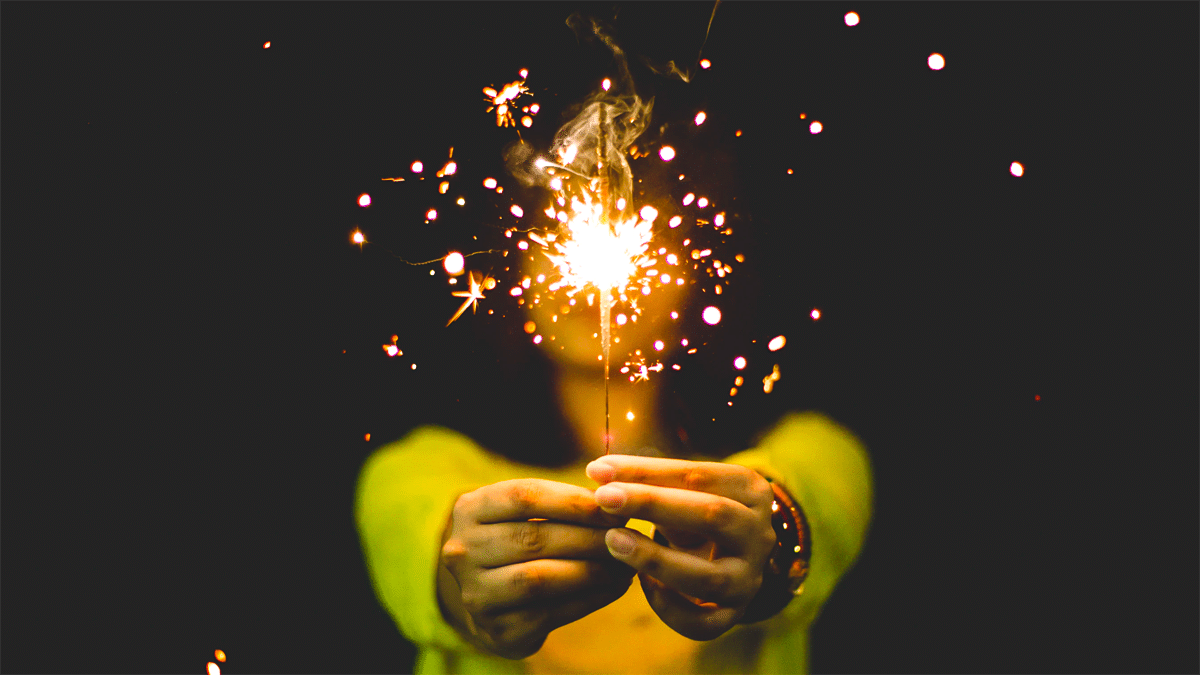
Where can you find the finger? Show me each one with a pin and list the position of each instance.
(501, 544)
(525, 498)
(724, 520)
(536, 581)
(728, 480)
(523, 631)
(697, 621)
(726, 581)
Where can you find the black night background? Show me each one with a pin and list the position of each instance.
(191, 344)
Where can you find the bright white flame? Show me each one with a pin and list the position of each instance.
(711, 315)
(937, 61)
(454, 262)
(852, 18)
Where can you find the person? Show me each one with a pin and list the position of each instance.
(491, 565)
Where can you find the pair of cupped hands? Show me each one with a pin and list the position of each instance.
(530, 555)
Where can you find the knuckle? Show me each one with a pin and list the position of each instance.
(696, 479)
(767, 538)
(474, 602)
(717, 515)
(529, 580)
(530, 537)
(719, 583)
(454, 551)
(760, 487)
(524, 495)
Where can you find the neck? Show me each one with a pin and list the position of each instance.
(581, 391)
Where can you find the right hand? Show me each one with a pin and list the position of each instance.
(517, 578)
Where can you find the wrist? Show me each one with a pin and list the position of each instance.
(787, 566)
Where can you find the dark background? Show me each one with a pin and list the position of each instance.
(182, 429)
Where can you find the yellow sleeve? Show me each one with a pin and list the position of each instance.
(404, 496)
(826, 469)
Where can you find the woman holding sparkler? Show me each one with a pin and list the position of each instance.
(494, 566)
(489, 565)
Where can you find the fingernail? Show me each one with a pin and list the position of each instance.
(600, 472)
(609, 497)
(619, 542)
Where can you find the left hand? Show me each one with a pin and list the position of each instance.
(717, 518)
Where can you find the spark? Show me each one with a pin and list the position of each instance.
(417, 166)
(738, 133)
(444, 187)
(702, 202)
(219, 655)
(526, 121)
(770, 380)
(675, 221)
(719, 220)
(461, 201)
(705, 64)
(648, 213)
(450, 169)
(214, 669)
(688, 198)
(667, 153)
(489, 183)
(267, 44)
(739, 362)
(815, 128)
(936, 61)
(777, 343)
(1017, 169)
(364, 200)
(503, 101)
(629, 415)
(711, 315)
(358, 238)
(431, 214)
(537, 339)
(658, 345)
(700, 117)
(815, 314)
(473, 296)
(851, 18)
(454, 263)
(606, 84)
(530, 327)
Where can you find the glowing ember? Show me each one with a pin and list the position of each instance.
(719, 219)
(267, 45)
(711, 315)
(606, 84)
(815, 128)
(705, 64)
(364, 199)
(449, 169)
(770, 380)
(739, 362)
(777, 343)
(675, 222)
(530, 327)
(537, 339)
(1017, 169)
(658, 345)
(852, 18)
(702, 202)
(461, 201)
(357, 238)
(622, 319)
(489, 183)
(648, 213)
(443, 187)
(473, 296)
(431, 214)
(523, 245)
(667, 153)
(214, 669)
(526, 121)
(688, 198)
(700, 117)
(516, 211)
(392, 350)
(815, 314)
(219, 655)
(936, 61)
(454, 262)
(629, 415)
(417, 167)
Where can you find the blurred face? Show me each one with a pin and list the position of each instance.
(574, 323)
